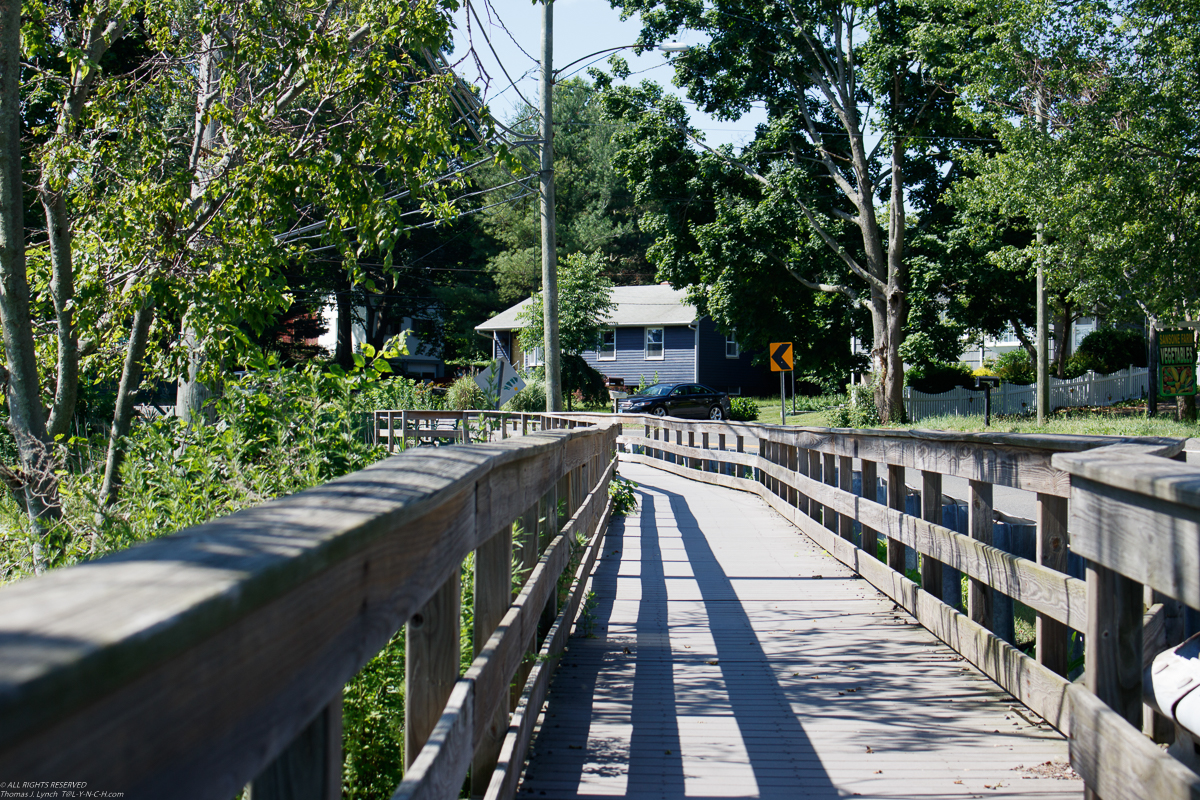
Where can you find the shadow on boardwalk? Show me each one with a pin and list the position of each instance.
(731, 658)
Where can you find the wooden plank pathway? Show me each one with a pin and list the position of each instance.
(730, 657)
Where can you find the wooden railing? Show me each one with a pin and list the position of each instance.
(398, 428)
(1134, 514)
(194, 664)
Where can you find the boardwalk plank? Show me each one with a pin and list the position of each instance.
(719, 665)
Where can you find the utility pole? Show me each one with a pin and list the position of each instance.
(552, 356)
(1043, 306)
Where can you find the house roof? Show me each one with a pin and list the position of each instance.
(636, 306)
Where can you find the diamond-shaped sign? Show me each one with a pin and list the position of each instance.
(499, 382)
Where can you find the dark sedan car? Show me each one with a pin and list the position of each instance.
(693, 400)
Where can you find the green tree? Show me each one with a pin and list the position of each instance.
(594, 207)
(584, 304)
(829, 75)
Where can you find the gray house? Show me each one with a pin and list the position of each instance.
(652, 331)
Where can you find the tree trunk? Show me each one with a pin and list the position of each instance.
(344, 352)
(26, 415)
(131, 379)
(192, 396)
(1185, 408)
(1062, 337)
(62, 288)
(889, 391)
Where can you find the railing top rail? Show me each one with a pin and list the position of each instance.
(245, 626)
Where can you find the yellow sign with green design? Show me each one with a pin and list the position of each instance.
(1176, 362)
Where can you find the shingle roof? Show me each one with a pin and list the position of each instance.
(636, 306)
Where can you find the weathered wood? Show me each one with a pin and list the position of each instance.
(492, 596)
(896, 492)
(1113, 643)
(1151, 540)
(815, 509)
(1035, 686)
(870, 482)
(311, 766)
(979, 523)
(1053, 638)
(438, 772)
(318, 581)
(846, 484)
(1117, 761)
(431, 646)
(931, 511)
(829, 472)
(1046, 590)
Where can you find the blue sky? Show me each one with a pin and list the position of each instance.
(514, 28)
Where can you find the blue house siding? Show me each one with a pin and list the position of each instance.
(677, 364)
(730, 374)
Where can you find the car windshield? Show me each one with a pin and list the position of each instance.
(657, 390)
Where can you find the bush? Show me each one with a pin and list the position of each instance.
(582, 382)
(465, 394)
(859, 410)
(1110, 349)
(743, 409)
(531, 399)
(937, 377)
(1016, 366)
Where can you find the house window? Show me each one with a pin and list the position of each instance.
(654, 343)
(535, 357)
(731, 347)
(608, 346)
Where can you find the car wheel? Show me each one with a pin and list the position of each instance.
(716, 413)
(659, 411)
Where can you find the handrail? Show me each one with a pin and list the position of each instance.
(189, 665)
(1135, 515)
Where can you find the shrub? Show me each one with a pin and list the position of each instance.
(582, 382)
(531, 399)
(1016, 366)
(859, 410)
(743, 409)
(1110, 349)
(937, 377)
(465, 394)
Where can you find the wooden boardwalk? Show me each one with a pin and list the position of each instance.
(730, 657)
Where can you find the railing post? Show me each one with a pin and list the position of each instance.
(846, 484)
(793, 463)
(721, 467)
(311, 766)
(704, 462)
(691, 462)
(815, 509)
(1053, 637)
(466, 427)
(1113, 641)
(830, 475)
(391, 423)
(979, 522)
(931, 511)
(802, 458)
(404, 430)
(764, 452)
(741, 446)
(895, 494)
(431, 659)
(493, 595)
(870, 486)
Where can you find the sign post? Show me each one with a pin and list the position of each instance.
(1176, 362)
(781, 362)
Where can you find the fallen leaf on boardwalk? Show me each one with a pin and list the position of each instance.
(958, 782)
(818, 576)
(869, 750)
(625, 650)
(712, 663)
(878, 772)
(574, 747)
(667, 752)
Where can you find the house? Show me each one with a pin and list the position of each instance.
(375, 326)
(653, 331)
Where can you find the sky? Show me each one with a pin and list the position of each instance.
(581, 27)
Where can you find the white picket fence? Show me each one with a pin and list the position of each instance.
(1086, 390)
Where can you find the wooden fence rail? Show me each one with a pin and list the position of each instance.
(1134, 515)
(194, 664)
